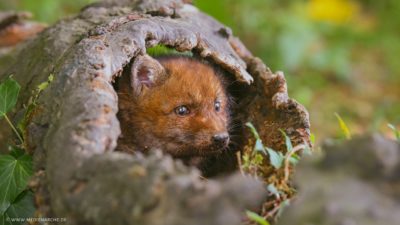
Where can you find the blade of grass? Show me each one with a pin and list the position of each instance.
(343, 126)
(257, 218)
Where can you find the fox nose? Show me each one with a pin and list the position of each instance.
(221, 139)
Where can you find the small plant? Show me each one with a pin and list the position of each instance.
(32, 106)
(16, 167)
(16, 200)
(273, 167)
(343, 126)
(254, 160)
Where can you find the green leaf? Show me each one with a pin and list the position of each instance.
(15, 171)
(4, 220)
(16, 152)
(253, 130)
(259, 147)
(44, 85)
(276, 158)
(256, 218)
(271, 188)
(258, 159)
(9, 91)
(21, 208)
(288, 142)
(343, 127)
(396, 132)
(312, 138)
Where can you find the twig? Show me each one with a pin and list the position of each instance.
(287, 163)
(14, 129)
(239, 159)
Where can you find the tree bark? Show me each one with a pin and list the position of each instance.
(74, 132)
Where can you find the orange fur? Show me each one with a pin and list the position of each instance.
(149, 120)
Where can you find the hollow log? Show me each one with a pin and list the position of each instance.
(74, 131)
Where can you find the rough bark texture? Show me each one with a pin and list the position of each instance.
(355, 182)
(75, 129)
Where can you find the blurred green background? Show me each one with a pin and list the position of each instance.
(338, 55)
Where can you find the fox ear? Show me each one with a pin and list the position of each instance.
(146, 72)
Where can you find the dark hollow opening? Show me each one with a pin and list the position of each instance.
(226, 161)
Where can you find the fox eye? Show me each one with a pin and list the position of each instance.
(217, 105)
(182, 110)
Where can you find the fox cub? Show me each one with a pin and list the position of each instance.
(174, 103)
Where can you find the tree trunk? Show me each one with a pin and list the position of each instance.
(74, 131)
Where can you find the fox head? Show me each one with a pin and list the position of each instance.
(177, 104)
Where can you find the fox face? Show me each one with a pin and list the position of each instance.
(177, 104)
